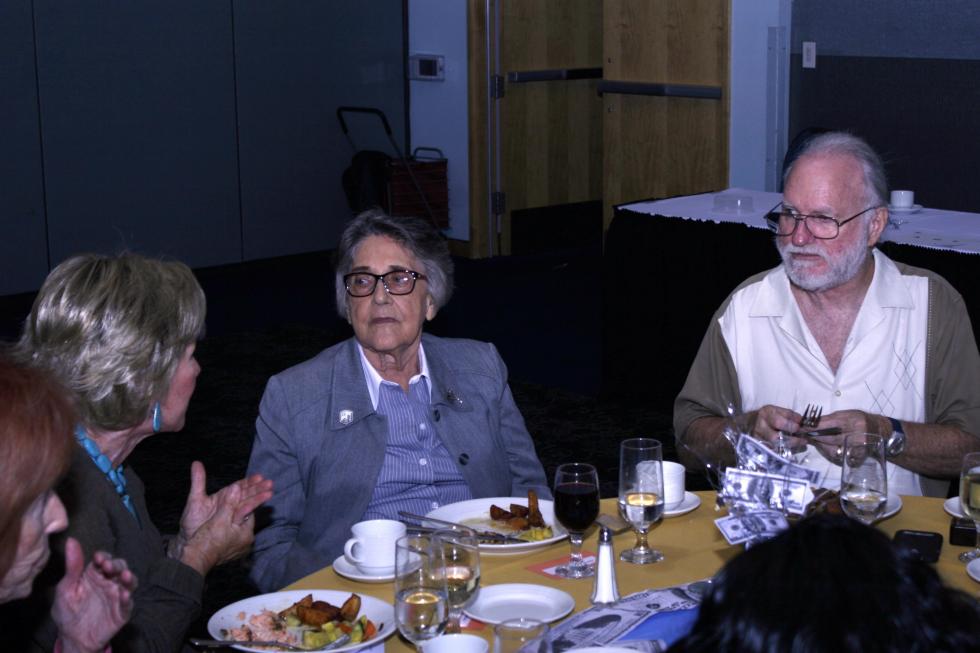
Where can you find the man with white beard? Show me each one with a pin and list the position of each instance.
(881, 346)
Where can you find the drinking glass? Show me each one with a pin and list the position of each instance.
(576, 507)
(641, 494)
(970, 497)
(524, 635)
(461, 569)
(421, 604)
(863, 480)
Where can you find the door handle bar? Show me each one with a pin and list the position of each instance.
(662, 90)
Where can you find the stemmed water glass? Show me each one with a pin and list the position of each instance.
(461, 569)
(863, 481)
(576, 507)
(641, 494)
(421, 603)
(970, 498)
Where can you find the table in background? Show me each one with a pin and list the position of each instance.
(669, 264)
(692, 546)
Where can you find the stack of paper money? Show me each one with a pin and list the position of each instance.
(761, 491)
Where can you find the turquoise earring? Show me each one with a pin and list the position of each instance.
(157, 417)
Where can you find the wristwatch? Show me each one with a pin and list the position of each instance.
(896, 441)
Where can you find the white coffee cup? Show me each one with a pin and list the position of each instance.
(902, 199)
(674, 474)
(372, 549)
(456, 643)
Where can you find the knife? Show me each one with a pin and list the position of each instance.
(221, 643)
(491, 535)
(833, 430)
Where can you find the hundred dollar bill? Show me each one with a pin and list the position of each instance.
(752, 454)
(762, 490)
(761, 524)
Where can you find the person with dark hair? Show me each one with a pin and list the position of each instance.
(391, 419)
(882, 347)
(92, 602)
(120, 332)
(830, 584)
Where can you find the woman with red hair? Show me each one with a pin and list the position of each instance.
(91, 602)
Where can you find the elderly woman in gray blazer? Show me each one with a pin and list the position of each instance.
(391, 419)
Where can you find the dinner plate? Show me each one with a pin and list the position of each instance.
(476, 512)
(952, 506)
(381, 613)
(905, 209)
(497, 603)
(690, 502)
(344, 568)
(973, 569)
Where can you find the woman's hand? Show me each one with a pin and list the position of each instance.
(91, 602)
(217, 528)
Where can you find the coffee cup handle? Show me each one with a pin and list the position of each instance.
(349, 550)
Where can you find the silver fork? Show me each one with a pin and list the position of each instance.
(811, 416)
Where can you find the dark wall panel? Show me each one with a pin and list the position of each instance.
(138, 127)
(919, 114)
(297, 61)
(23, 244)
(903, 74)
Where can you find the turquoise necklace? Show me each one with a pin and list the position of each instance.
(114, 474)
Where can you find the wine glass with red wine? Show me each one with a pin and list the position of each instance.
(576, 507)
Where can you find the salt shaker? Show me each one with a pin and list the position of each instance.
(605, 591)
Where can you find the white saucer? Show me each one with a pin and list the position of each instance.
(690, 502)
(344, 568)
(973, 569)
(497, 603)
(952, 506)
(905, 209)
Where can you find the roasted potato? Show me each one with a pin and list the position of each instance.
(351, 608)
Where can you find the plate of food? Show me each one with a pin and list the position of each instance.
(307, 618)
(512, 516)
(823, 500)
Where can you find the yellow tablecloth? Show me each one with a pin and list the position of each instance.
(693, 548)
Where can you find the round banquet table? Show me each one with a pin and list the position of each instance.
(693, 549)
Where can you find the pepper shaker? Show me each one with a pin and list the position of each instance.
(605, 592)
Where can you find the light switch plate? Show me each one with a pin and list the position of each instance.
(809, 54)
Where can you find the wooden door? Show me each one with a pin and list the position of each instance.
(540, 143)
(673, 144)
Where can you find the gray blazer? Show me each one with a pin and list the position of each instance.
(320, 440)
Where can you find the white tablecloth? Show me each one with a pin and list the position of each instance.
(933, 228)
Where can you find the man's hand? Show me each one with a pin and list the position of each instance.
(91, 602)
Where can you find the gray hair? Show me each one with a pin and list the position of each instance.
(418, 236)
(875, 182)
(113, 329)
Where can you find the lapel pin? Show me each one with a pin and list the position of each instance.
(453, 398)
(346, 417)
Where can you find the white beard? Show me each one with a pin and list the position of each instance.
(837, 272)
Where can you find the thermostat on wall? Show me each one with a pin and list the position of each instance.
(427, 67)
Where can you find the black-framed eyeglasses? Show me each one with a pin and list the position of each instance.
(396, 282)
(783, 222)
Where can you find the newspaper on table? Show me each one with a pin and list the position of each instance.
(761, 491)
(606, 624)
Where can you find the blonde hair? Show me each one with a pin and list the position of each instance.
(113, 329)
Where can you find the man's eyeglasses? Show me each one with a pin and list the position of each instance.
(396, 282)
(783, 222)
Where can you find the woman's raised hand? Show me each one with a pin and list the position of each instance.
(91, 602)
(217, 528)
